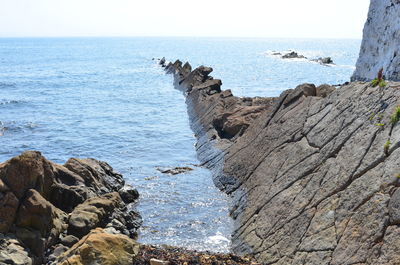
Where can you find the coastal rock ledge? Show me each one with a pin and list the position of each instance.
(314, 173)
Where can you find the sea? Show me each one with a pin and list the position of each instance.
(107, 98)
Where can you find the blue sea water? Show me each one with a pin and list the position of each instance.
(106, 98)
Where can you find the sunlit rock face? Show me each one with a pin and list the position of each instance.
(380, 46)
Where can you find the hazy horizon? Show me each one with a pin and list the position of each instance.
(290, 19)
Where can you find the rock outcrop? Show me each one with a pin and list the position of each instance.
(45, 208)
(313, 173)
(381, 42)
(295, 55)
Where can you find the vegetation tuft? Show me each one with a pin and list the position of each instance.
(386, 147)
(395, 116)
(379, 80)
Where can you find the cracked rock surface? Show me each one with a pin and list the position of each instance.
(311, 179)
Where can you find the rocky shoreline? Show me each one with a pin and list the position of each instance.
(78, 213)
(313, 173)
(58, 214)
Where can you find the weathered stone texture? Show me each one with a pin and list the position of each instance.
(310, 180)
(381, 42)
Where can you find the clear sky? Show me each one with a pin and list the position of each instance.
(221, 18)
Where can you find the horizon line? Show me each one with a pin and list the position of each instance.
(154, 36)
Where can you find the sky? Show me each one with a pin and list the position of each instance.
(204, 18)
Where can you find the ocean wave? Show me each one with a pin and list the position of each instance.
(217, 239)
(7, 85)
(12, 101)
(13, 126)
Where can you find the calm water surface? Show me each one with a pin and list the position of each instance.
(105, 98)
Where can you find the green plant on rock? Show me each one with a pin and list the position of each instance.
(395, 116)
(379, 81)
(386, 147)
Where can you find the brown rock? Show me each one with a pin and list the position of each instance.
(92, 213)
(28, 171)
(324, 90)
(96, 174)
(8, 208)
(99, 247)
(42, 222)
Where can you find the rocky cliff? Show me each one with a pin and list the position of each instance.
(314, 173)
(381, 42)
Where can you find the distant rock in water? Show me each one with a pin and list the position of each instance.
(292, 55)
(380, 45)
(325, 60)
(295, 55)
(45, 208)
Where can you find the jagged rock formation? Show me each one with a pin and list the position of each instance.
(46, 208)
(381, 42)
(314, 173)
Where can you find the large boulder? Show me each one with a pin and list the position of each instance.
(92, 213)
(96, 174)
(37, 213)
(99, 247)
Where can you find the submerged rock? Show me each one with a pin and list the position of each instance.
(175, 170)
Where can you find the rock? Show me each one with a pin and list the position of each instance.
(309, 178)
(39, 222)
(293, 55)
(31, 190)
(8, 209)
(99, 247)
(69, 240)
(325, 60)
(94, 212)
(175, 170)
(37, 213)
(324, 90)
(133, 221)
(128, 194)
(158, 262)
(96, 174)
(197, 77)
(306, 90)
(394, 208)
(12, 252)
(118, 226)
(210, 86)
(379, 47)
(162, 62)
(186, 69)
(67, 197)
(28, 171)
